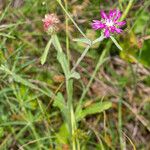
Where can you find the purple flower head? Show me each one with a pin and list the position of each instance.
(109, 23)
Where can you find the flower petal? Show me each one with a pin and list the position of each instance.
(97, 25)
(112, 29)
(107, 33)
(122, 23)
(112, 13)
(118, 30)
(118, 15)
(103, 15)
(96, 21)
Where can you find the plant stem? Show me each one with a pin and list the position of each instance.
(120, 4)
(60, 3)
(100, 62)
(120, 123)
(69, 82)
(85, 51)
(120, 101)
(72, 124)
(81, 57)
(67, 32)
(127, 9)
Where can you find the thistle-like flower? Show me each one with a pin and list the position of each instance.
(109, 23)
(50, 23)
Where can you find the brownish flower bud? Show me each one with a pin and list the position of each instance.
(50, 23)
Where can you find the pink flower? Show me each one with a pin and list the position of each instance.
(50, 22)
(109, 23)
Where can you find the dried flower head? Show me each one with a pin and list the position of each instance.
(50, 23)
(109, 23)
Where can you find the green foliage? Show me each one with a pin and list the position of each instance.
(34, 108)
(1, 132)
(62, 136)
(116, 43)
(44, 56)
(141, 21)
(93, 109)
(61, 104)
(145, 54)
(83, 40)
(19, 79)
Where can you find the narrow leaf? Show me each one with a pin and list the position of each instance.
(93, 109)
(75, 75)
(83, 40)
(59, 102)
(7, 35)
(25, 82)
(64, 63)
(101, 38)
(44, 56)
(63, 132)
(116, 43)
(56, 43)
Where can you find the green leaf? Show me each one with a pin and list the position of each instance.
(100, 39)
(1, 132)
(141, 21)
(145, 54)
(93, 109)
(75, 75)
(56, 43)
(44, 56)
(19, 79)
(61, 56)
(83, 40)
(116, 43)
(7, 35)
(63, 60)
(64, 63)
(59, 102)
(2, 57)
(63, 132)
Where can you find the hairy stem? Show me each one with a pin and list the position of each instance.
(67, 32)
(69, 89)
(67, 13)
(100, 62)
(85, 51)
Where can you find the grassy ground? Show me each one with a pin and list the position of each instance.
(28, 116)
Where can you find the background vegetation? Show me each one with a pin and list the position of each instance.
(28, 119)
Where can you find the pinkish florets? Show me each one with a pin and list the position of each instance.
(109, 23)
(50, 23)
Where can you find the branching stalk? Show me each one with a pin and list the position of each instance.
(100, 62)
(86, 50)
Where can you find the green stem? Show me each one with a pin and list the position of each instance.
(81, 57)
(120, 4)
(35, 135)
(67, 32)
(72, 124)
(100, 62)
(101, 38)
(127, 9)
(69, 89)
(120, 101)
(69, 83)
(120, 123)
(60, 3)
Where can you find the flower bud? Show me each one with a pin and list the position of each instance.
(50, 23)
